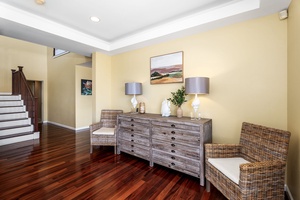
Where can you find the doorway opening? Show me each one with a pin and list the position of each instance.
(37, 91)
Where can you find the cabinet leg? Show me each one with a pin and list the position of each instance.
(207, 186)
(151, 164)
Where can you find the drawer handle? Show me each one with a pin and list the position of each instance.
(132, 145)
(172, 138)
(173, 132)
(173, 164)
(132, 150)
(173, 151)
(132, 120)
(173, 145)
(132, 135)
(173, 157)
(132, 130)
(173, 125)
(132, 140)
(164, 133)
(132, 124)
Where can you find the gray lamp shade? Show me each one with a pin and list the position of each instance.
(197, 85)
(133, 88)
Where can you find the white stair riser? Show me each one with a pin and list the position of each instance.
(10, 97)
(12, 109)
(15, 123)
(7, 132)
(13, 113)
(33, 136)
(11, 103)
(10, 116)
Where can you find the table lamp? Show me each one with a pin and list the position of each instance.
(196, 85)
(133, 88)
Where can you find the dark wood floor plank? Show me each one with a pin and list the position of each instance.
(59, 166)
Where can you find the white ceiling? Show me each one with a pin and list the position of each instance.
(124, 25)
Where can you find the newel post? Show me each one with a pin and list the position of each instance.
(13, 81)
(20, 68)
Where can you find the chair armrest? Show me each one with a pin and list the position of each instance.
(95, 126)
(257, 176)
(222, 150)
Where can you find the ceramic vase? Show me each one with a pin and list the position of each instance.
(179, 112)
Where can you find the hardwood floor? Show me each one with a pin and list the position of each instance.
(60, 167)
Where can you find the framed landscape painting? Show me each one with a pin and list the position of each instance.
(167, 68)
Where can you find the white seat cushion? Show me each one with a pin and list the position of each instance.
(230, 167)
(104, 131)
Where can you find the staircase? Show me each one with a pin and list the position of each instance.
(15, 125)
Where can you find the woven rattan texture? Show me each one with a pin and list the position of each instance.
(266, 148)
(108, 119)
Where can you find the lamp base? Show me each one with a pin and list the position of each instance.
(195, 115)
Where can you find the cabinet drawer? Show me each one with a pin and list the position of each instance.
(176, 158)
(134, 138)
(133, 126)
(176, 135)
(177, 149)
(135, 130)
(184, 165)
(135, 149)
(176, 125)
(133, 120)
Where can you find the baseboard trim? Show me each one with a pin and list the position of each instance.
(68, 127)
(61, 125)
(288, 192)
(82, 128)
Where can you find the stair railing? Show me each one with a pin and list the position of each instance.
(20, 86)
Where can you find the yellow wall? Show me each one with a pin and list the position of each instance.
(246, 63)
(33, 57)
(83, 103)
(247, 66)
(61, 87)
(102, 81)
(293, 177)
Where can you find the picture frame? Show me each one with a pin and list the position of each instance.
(86, 87)
(167, 68)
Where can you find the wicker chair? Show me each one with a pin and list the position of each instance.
(103, 132)
(261, 176)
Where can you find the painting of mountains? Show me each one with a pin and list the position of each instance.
(167, 68)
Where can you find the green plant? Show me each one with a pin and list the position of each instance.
(178, 97)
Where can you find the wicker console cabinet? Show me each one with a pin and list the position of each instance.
(176, 143)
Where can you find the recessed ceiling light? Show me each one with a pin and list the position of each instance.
(40, 2)
(95, 19)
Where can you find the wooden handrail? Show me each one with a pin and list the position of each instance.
(20, 86)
